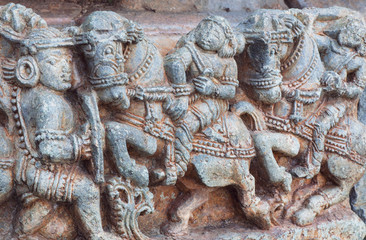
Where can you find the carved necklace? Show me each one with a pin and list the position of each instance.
(296, 54)
(298, 82)
(144, 65)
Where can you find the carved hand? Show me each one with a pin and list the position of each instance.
(295, 24)
(85, 142)
(332, 81)
(177, 108)
(204, 85)
(140, 93)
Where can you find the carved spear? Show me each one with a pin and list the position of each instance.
(90, 107)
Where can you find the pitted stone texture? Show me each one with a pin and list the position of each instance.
(358, 5)
(348, 226)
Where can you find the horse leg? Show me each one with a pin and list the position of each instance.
(182, 209)
(253, 207)
(6, 182)
(345, 175)
(266, 143)
(118, 137)
(6, 166)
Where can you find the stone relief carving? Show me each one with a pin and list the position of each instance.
(95, 120)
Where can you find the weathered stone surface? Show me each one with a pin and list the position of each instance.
(358, 5)
(105, 136)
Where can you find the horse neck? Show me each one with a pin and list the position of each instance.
(303, 60)
(143, 60)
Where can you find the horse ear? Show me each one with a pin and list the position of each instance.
(27, 72)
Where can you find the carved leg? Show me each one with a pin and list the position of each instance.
(254, 209)
(183, 141)
(329, 117)
(6, 166)
(345, 175)
(6, 183)
(118, 137)
(266, 143)
(182, 209)
(86, 199)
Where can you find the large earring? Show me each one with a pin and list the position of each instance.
(27, 72)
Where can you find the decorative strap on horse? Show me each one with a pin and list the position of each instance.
(105, 82)
(305, 76)
(223, 150)
(144, 66)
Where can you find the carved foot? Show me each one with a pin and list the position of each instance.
(259, 213)
(303, 217)
(175, 229)
(304, 172)
(286, 181)
(139, 175)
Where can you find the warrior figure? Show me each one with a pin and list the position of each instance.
(202, 62)
(342, 52)
(49, 166)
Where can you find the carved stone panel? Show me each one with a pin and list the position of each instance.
(239, 132)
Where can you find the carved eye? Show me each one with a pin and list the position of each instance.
(88, 47)
(109, 50)
(273, 50)
(52, 61)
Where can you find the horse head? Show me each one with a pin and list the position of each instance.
(270, 39)
(103, 37)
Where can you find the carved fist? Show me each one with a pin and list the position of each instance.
(85, 141)
(331, 81)
(294, 24)
(176, 108)
(140, 93)
(204, 85)
(134, 33)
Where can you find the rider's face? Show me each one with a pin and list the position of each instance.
(55, 68)
(210, 36)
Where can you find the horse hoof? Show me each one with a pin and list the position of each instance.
(174, 229)
(300, 172)
(304, 217)
(259, 213)
(286, 182)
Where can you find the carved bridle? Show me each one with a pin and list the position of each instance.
(269, 37)
(119, 79)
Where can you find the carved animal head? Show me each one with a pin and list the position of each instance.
(103, 38)
(270, 39)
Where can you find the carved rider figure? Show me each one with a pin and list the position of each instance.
(342, 53)
(53, 148)
(202, 63)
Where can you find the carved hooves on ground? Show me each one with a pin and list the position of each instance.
(304, 217)
(174, 229)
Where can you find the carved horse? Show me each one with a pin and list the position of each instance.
(135, 66)
(282, 77)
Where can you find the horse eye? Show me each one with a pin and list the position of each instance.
(88, 47)
(108, 50)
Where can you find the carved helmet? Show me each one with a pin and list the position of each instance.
(26, 33)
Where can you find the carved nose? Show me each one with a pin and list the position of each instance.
(104, 71)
